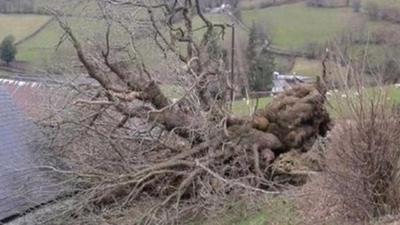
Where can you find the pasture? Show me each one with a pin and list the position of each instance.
(307, 67)
(20, 26)
(244, 107)
(49, 47)
(294, 26)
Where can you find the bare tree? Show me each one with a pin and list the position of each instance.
(125, 139)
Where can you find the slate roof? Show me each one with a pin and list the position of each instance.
(23, 184)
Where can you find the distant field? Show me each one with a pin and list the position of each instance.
(20, 26)
(241, 107)
(41, 49)
(296, 25)
(307, 67)
(292, 27)
(71, 7)
(252, 4)
(389, 3)
(395, 95)
(45, 48)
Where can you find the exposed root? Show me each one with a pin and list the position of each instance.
(241, 155)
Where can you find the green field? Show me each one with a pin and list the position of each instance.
(307, 67)
(50, 47)
(20, 26)
(385, 3)
(292, 27)
(241, 107)
(246, 108)
(277, 210)
(46, 47)
(296, 25)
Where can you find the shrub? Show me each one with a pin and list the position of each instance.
(383, 10)
(356, 5)
(312, 50)
(8, 49)
(261, 62)
(361, 159)
(364, 155)
(372, 9)
(327, 3)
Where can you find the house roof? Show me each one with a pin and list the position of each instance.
(24, 94)
(38, 98)
(23, 184)
(282, 82)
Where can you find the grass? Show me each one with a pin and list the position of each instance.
(394, 94)
(286, 23)
(291, 26)
(284, 64)
(307, 67)
(296, 25)
(244, 107)
(385, 3)
(252, 4)
(41, 47)
(73, 7)
(45, 48)
(20, 26)
(374, 55)
(277, 210)
(241, 108)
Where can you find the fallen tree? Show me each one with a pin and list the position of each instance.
(125, 140)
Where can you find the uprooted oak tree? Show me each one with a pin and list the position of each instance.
(124, 140)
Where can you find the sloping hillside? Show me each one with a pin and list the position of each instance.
(20, 26)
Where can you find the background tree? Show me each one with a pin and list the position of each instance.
(8, 49)
(236, 10)
(17, 6)
(261, 70)
(214, 47)
(261, 62)
(356, 5)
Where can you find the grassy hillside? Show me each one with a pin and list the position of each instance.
(296, 25)
(241, 107)
(389, 3)
(41, 49)
(301, 28)
(292, 27)
(46, 48)
(20, 26)
(72, 7)
(307, 67)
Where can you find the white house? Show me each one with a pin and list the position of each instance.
(221, 8)
(284, 82)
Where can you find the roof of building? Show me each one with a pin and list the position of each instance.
(282, 82)
(23, 184)
(38, 98)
